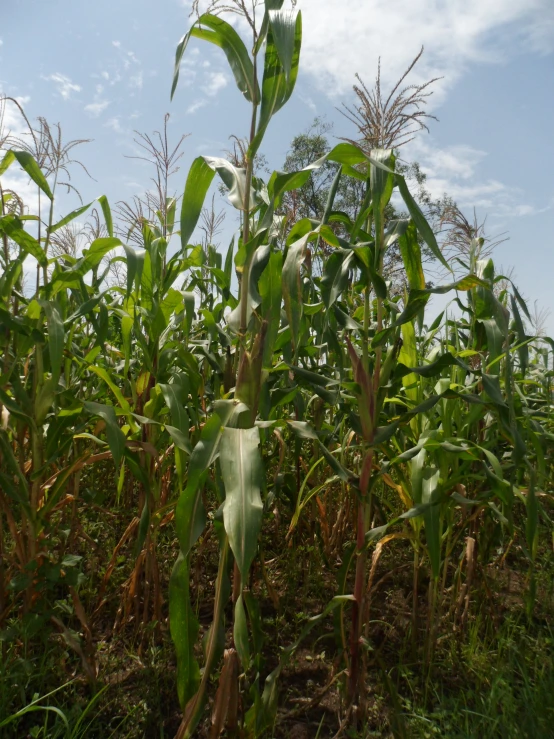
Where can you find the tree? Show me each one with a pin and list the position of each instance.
(309, 201)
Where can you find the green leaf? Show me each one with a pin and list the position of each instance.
(12, 226)
(198, 182)
(411, 256)
(234, 179)
(222, 34)
(523, 350)
(229, 261)
(115, 436)
(431, 517)
(305, 431)
(184, 629)
(335, 276)
(217, 31)
(420, 221)
(180, 50)
(381, 183)
(56, 337)
(491, 385)
(258, 263)
(283, 30)
(29, 164)
(7, 161)
(175, 401)
(276, 88)
(190, 515)
(90, 260)
(241, 470)
(69, 217)
(292, 286)
(106, 210)
(11, 476)
(344, 153)
(281, 182)
(270, 291)
(417, 300)
(135, 264)
(105, 375)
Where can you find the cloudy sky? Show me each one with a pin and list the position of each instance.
(103, 69)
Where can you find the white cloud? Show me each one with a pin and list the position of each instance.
(457, 171)
(117, 44)
(191, 57)
(187, 77)
(136, 81)
(343, 40)
(524, 209)
(96, 108)
(114, 124)
(457, 162)
(197, 105)
(64, 84)
(216, 82)
(541, 35)
(454, 171)
(308, 101)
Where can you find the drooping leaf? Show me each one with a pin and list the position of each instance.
(217, 31)
(292, 286)
(12, 226)
(241, 471)
(115, 436)
(283, 31)
(190, 515)
(29, 164)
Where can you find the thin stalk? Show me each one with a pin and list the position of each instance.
(48, 232)
(4, 237)
(415, 585)
(365, 501)
(39, 237)
(246, 231)
(195, 706)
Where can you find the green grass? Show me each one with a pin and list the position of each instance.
(500, 690)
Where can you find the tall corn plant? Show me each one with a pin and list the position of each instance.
(230, 433)
(437, 413)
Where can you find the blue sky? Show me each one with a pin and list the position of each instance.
(103, 69)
